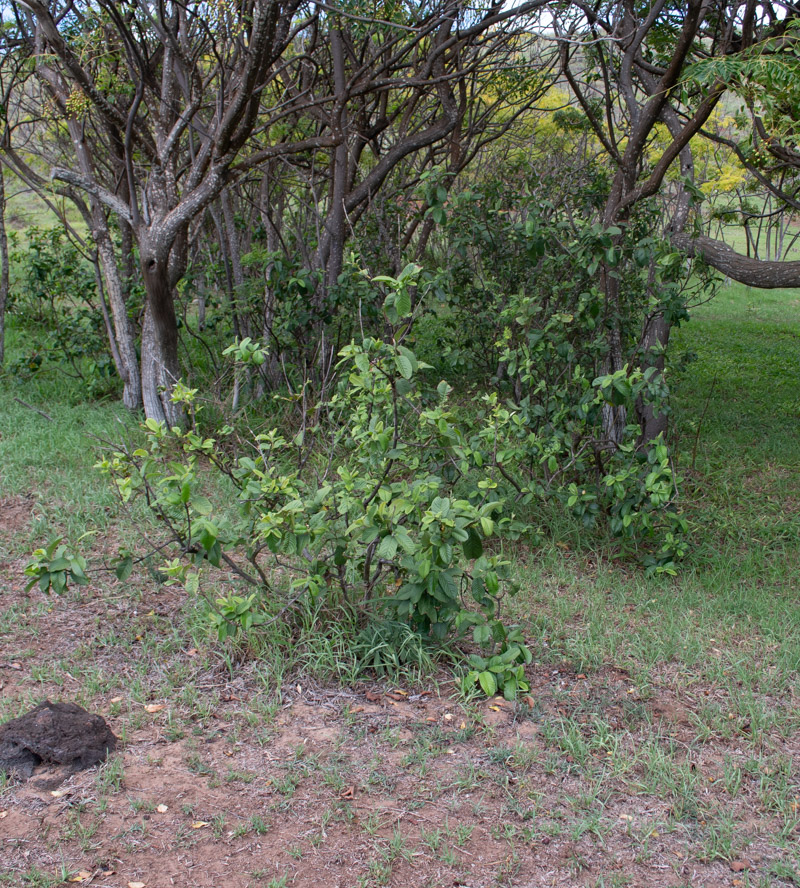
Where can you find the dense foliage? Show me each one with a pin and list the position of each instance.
(394, 293)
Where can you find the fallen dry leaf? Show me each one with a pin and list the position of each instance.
(59, 793)
(162, 809)
(349, 793)
(402, 693)
(192, 652)
(16, 666)
(116, 700)
(529, 701)
(739, 866)
(82, 876)
(3, 815)
(395, 695)
(357, 709)
(199, 824)
(154, 707)
(373, 698)
(135, 884)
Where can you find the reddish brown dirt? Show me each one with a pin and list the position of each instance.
(331, 786)
(15, 513)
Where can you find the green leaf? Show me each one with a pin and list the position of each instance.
(410, 272)
(404, 367)
(405, 541)
(202, 505)
(124, 568)
(403, 304)
(473, 547)
(488, 682)
(482, 634)
(440, 507)
(510, 688)
(388, 548)
(215, 554)
(409, 354)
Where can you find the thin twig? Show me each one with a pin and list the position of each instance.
(35, 409)
(700, 421)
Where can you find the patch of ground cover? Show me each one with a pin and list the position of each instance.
(46, 463)
(658, 744)
(626, 776)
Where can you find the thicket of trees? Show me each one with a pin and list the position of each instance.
(308, 204)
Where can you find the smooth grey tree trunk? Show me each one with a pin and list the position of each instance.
(128, 367)
(125, 353)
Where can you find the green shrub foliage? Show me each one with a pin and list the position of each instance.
(392, 499)
(54, 295)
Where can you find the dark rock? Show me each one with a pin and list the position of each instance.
(54, 733)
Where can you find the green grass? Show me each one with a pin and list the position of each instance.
(51, 459)
(24, 209)
(738, 421)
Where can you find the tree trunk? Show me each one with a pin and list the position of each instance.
(160, 367)
(3, 267)
(753, 272)
(101, 292)
(654, 344)
(615, 417)
(125, 353)
(127, 366)
(270, 371)
(222, 239)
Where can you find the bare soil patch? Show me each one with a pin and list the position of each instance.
(218, 780)
(15, 513)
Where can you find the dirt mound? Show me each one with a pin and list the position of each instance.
(54, 733)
